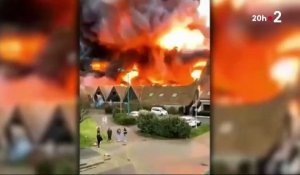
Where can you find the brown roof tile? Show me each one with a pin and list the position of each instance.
(169, 95)
(251, 130)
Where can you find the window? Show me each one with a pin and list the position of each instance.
(151, 94)
(161, 94)
(206, 107)
(174, 95)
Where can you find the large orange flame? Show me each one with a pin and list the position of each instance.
(182, 39)
(201, 64)
(22, 49)
(196, 74)
(198, 68)
(285, 71)
(131, 74)
(99, 66)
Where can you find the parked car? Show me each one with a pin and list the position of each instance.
(191, 121)
(159, 111)
(134, 113)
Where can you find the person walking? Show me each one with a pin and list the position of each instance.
(109, 133)
(124, 134)
(99, 138)
(118, 134)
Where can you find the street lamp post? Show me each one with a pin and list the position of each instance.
(129, 84)
(197, 100)
(128, 95)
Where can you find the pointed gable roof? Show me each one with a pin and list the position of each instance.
(36, 117)
(69, 111)
(16, 118)
(57, 129)
(113, 95)
(106, 91)
(5, 115)
(133, 95)
(121, 90)
(138, 91)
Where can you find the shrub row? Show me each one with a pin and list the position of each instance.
(123, 119)
(136, 107)
(169, 127)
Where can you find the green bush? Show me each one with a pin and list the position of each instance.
(172, 110)
(123, 119)
(134, 106)
(146, 122)
(116, 110)
(108, 109)
(169, 127)
(146, 107)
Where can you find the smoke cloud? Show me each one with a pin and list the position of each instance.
(131, 22)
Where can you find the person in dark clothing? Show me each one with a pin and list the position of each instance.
(109, 133)
(124, 134)
(99, 138)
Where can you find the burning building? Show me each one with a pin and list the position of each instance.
(185, 99)
(152, 42)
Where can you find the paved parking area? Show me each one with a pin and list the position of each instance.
(152, 156)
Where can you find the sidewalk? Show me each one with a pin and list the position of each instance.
(116, 163)
(90, 158)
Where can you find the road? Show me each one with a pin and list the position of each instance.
(204, 119)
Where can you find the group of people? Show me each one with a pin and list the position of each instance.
(121, 136)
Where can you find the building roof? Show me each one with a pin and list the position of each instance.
(121, 90)
(5, 114)
(204, 92)
(133, 94)
(249, 130)
(18, 118)
(138, 91)
(84, 96)
(69, 111)
(105, 91)
(169, 95)
(90, 90)
(36, 117)
(58, 128)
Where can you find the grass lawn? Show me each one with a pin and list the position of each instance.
(88, 133)
(199, 130)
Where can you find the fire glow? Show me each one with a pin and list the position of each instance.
(285, 72)
(168, 48)
(182, 39)
(99, 66)
(131, 74)
(196, 74)
(21, 48)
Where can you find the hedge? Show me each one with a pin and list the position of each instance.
(169, 127)
(172, 110)
(123, 119)
(108, 109)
